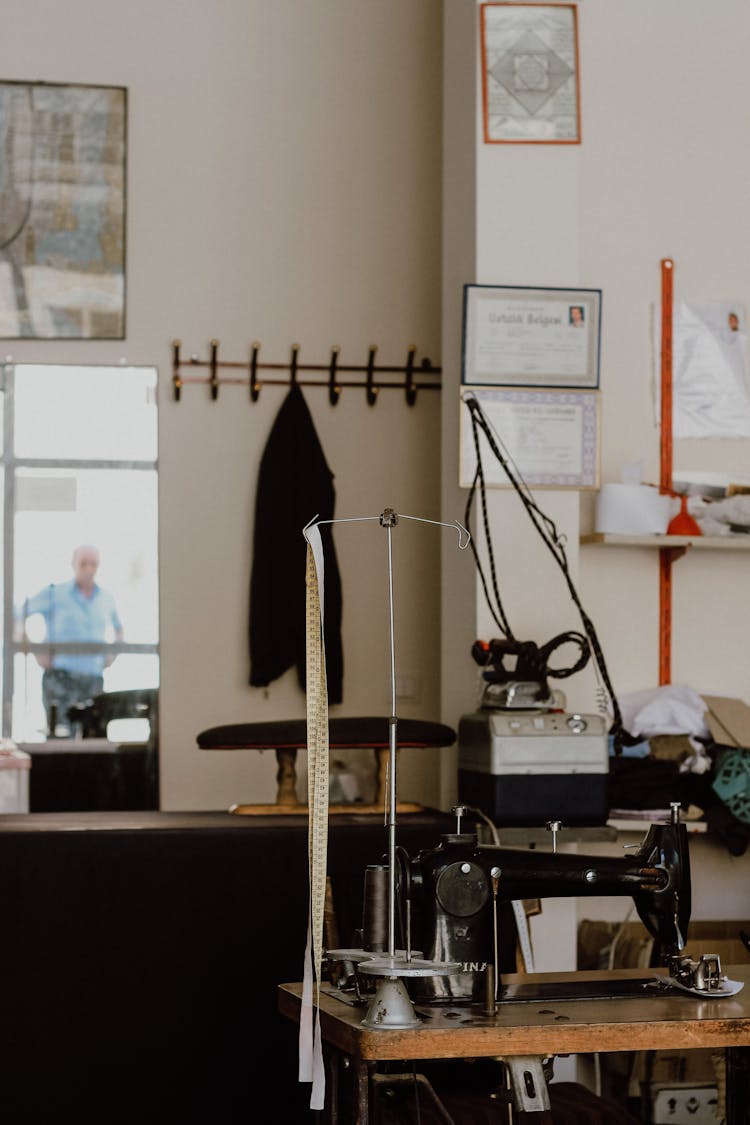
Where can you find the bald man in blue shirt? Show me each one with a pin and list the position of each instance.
(75, 611)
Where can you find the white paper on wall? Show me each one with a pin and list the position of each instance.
(710, 391)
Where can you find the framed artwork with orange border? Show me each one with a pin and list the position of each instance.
(530, 87)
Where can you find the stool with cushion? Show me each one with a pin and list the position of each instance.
(286, 736)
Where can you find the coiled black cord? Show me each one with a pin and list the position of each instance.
(554, 543)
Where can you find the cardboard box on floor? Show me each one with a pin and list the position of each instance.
(633, 943)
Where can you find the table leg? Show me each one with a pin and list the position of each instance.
(362, 1092)
(286, 777)
(382, 764)
(382, 756)
(738, 1085)
(417, 1082)
(331, 1061)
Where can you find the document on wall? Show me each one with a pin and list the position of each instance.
(710, 390)
(550, 438)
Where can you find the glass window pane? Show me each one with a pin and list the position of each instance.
(113, 509)
(131, 671)
(29, 722)
(2, 553)
(81, 414)
(85, 413)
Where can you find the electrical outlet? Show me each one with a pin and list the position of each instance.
(680, 1104)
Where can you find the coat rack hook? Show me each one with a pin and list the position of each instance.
(334, 390)
(293, 365)
(370, 389)
(254, 383)
(176, 380)
(411, 390)
(214, 380)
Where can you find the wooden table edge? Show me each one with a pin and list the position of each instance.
(571, 1037)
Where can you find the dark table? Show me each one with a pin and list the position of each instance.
(142, 953)
(91, 775)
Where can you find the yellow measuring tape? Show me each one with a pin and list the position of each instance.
(311, 1067)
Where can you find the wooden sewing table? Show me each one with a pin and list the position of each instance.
(674, 1021)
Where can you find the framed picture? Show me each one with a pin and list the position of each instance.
(550, 438)
(530, 73)
(524, 337)
(62, 211)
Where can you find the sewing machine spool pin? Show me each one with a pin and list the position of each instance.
(459, 811)
(495, 874)
(554, 827)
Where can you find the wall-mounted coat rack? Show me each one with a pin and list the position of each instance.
(253, 381)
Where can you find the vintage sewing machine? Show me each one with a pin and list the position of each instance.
(448, 995)
(451, 913)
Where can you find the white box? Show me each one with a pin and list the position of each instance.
(14, 778)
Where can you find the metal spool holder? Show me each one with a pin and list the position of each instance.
(391, 1007)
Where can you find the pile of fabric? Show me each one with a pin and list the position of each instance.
(727, 516)
(678, 758)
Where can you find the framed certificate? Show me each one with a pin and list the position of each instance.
(530, 74)
(524, 337)
(550, 438)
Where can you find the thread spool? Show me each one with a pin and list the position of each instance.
(375, 909)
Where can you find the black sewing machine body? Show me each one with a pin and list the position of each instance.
(458, 894)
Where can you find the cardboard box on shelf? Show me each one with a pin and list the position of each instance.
(674, 1068)
(632, 943)
(728, 720)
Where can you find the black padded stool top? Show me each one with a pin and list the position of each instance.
(369, 732)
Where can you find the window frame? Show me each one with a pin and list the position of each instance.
(11, 464)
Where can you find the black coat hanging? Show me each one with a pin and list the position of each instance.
(295, 485)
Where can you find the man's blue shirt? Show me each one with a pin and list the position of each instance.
(70, 616)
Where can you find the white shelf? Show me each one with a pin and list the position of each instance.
(628, 824)
(738, 542)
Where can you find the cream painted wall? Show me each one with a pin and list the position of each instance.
(664, 175)
(284, 185)
(661, 172)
